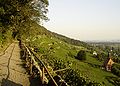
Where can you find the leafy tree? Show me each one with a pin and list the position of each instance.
(18, 15)
(81, 55)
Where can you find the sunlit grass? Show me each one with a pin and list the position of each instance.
(60, 50)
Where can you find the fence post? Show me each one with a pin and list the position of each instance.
(43, 75)
(31, 66)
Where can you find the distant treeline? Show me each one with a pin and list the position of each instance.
(105, 43)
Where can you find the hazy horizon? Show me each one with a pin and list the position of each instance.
(85, 19)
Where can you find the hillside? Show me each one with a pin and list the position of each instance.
(21, 19)
(59, 53)
(70, 40)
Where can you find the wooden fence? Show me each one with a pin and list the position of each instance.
(33, 62)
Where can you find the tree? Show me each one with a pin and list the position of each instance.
(18, 15)
(81, 55)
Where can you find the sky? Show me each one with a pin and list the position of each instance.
(85, 19)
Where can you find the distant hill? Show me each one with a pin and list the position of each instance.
(70, 40)
(103, 42)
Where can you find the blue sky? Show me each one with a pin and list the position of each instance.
(85, 19)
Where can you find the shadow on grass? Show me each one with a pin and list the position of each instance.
(114, 80)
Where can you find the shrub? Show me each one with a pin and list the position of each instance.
(81, 55)
(74, 78)
(116, 69)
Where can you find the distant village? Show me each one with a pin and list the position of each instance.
(109, 54)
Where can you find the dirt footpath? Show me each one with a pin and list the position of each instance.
(11, 71)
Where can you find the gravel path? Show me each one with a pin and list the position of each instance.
(11, 71)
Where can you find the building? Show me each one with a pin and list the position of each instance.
(95, 53)
(108, 64)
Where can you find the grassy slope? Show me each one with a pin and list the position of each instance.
(57, 51)
(60, 51)
(5, 40)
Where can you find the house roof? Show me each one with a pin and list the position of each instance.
(107, 61)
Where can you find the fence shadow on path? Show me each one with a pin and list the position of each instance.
(6, 82)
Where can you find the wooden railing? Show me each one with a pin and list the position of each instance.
(33, 60)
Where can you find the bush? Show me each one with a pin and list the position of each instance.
(74, 78)
(114, 80)
(81, 55)
(116, 69)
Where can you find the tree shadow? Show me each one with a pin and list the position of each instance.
(6, 82)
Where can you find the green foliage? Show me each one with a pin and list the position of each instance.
(116, 69)
(18, 15)
(59, 54)
(114, 80)
(74, 78)
(81, 55)
(101, 56)
(5, 39)
(117, 60)
(70, 54)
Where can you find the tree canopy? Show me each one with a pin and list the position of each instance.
(18, 14)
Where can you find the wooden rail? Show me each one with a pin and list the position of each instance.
(33, 60)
